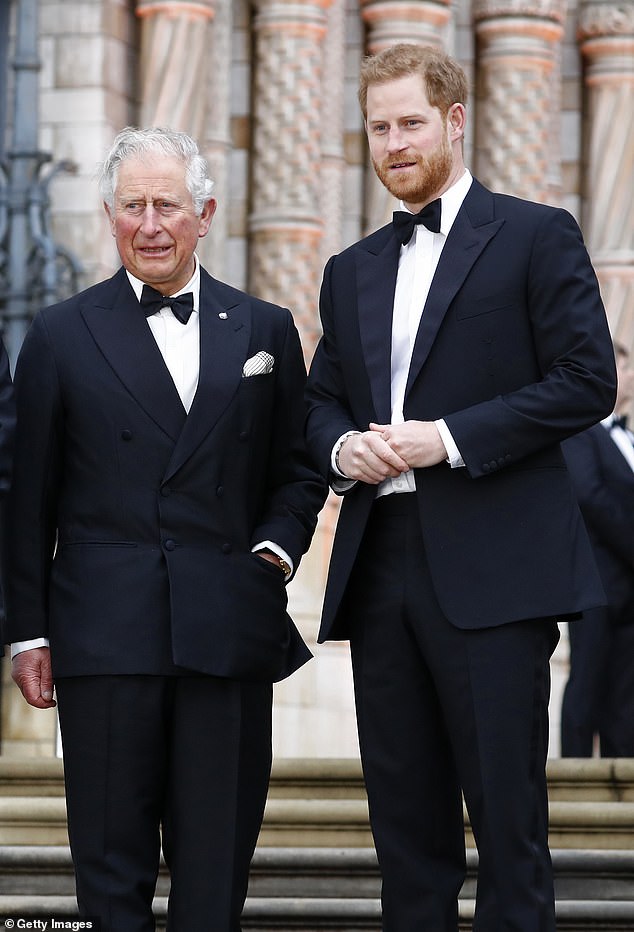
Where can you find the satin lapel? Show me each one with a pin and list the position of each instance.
(225, 330)
(463, 247)
(376, 282)
(121, 332)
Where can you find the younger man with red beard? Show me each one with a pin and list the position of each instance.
(461, 344)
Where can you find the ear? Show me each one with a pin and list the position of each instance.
(456, 121)
(208, 211)
(111, 219)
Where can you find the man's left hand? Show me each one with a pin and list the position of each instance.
(417, 442)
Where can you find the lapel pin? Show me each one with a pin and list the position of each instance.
(222, 315)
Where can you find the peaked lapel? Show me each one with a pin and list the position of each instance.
(473, 228)
(225, 330)
(377, 265)
(120, 330)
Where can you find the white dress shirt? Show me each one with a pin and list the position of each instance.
(416, 268)
(622, 438)
(180, 347)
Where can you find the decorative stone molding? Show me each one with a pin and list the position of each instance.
(392, 21)
(286, 225)
(519, 85)
(606, 39)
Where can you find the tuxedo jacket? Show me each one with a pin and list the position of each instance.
(604, 484)
(513, 351)
(131, 522)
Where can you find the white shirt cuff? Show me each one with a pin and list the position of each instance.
(453, 453)
(19, 646)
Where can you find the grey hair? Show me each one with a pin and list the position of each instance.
(132, 142)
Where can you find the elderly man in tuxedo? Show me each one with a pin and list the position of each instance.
(598, 699)
(162, 499)
(460, 345)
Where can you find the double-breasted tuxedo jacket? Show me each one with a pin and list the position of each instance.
(513, 351)
(151, 512)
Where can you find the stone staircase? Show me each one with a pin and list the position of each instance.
(315, 867)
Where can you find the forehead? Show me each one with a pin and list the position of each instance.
(151, 172)
(400, 96)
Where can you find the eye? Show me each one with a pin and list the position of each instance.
(379, 128)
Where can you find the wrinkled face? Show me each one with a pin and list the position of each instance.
(154, 223)
(415, 151)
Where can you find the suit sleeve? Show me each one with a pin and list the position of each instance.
(329, 416)
(31, 507)
(602, 510)
(295, 491)
(574, 351)
(7, 434)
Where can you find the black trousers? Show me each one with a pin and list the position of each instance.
(182, 761)
(442, 711)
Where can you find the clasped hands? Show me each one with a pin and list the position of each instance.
(387, 450)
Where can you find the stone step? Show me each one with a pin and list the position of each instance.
(599, 780)
(331, 822)
(324, 873)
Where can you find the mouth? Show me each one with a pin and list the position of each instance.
(152, 252)
(399, 166)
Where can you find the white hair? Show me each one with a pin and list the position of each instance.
(132, 142)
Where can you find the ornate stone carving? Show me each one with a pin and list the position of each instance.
(286, 222)
(517, 90)
(606, 37)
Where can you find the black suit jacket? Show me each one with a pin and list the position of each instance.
(604, 484)
(151, 513)
(513, 351)
(7, 431)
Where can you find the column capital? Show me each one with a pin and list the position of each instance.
(606, 39)
(529, 9)
(392, 21)
(194, 9)
(297, 17)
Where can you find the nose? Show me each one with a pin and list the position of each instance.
(395, 139)
(149, 220)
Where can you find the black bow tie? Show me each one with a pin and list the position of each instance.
(405, 222)
(181, 306)
(619, 420)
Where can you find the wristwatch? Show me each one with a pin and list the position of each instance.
(284, 566)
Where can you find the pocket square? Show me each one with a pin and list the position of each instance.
(260, 364)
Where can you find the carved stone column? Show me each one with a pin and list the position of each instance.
(392, 21)
(519, 43)
(185, 66)
(606, 37)
(388, 22)
(285, 223)
(174, 51)
(332, 137)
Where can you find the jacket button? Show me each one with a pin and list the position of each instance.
(226, 548)
(220, 491)
(165, 491)
(126, 435)
(170, 544)
(244, 435)
(486, 467)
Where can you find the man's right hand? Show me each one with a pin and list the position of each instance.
(31, 670)
(366, 457)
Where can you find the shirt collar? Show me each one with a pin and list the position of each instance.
(451, 202)
(192, 285)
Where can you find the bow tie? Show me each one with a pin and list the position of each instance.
(405, 222)
(619, 420)
(181, 306)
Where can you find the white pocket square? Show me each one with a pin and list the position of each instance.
(260, 364)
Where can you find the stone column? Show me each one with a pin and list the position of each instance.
(288, 106)
(185, 63)
(392, 21)
(606, 37)
(333, 163)
(516, 148)
(174, 52)
(388, 22)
